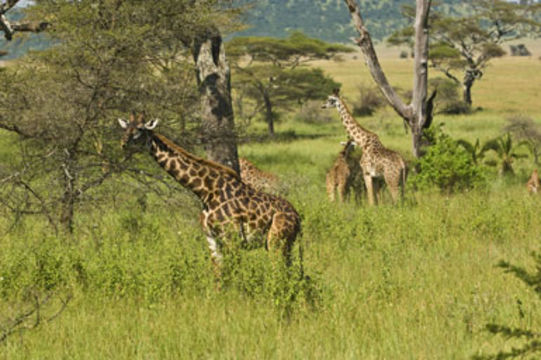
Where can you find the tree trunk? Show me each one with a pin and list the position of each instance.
(214, 79)
(269, 118)
(418, 114)
(466, 92)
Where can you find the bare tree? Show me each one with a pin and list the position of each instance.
(214, 79)
(418, 114)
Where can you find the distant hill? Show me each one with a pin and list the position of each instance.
(324, 19)
(329, 19)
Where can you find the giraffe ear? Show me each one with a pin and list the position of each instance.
(123, 123)
(151, 124)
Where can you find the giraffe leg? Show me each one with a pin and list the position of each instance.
(330, 188)
(342, 192)
(369, 188)
(393, 183)
(212, 243)
(280, 237)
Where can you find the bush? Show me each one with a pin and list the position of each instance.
(447, 166)
(448, 100)
(370, 99)
(311, 113)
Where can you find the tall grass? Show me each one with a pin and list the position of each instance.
(413, 281)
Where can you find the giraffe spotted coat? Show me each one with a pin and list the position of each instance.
(228, 203)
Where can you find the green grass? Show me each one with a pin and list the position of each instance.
(415, 281)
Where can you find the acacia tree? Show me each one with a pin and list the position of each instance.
(270, 71)
(466, 45)
(111, 57)
(418, 114)
(205, 43)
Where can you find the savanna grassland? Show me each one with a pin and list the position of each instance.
(414, 281)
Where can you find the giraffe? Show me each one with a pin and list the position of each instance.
(342, 174)
(228, 203)
(376, 161)
(257, 178)
(533, 183)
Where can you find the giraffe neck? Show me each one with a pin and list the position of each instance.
(355, 131)
(195, 173)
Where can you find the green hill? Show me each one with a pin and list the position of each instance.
(325, 19)
(329, 19)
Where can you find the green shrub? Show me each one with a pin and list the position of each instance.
(370, 99)
(310, 113)
(447, 166)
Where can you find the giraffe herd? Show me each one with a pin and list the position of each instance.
(246, 204)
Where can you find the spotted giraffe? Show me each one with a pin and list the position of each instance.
(533, 183)
(376, 161)
(257, 178)
(342, 173)
(228, 203)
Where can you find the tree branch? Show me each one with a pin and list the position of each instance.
(367, 47)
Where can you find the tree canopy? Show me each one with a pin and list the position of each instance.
(269, 71)
(111, 57)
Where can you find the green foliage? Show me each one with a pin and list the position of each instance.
(273, 77)
(506, 151)
(310, 113)
(111, 58)
(279, 51)
(476, 151)
(370, 99)
(447, 100)
(447, 166)
(530, 339)
(528, 132)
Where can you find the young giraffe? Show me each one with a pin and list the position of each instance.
(257, 178)
(338, 176)
(228, 203)
(533, 183)
(376, 160)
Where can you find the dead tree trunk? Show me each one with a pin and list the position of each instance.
(417, 114)
(214, 80)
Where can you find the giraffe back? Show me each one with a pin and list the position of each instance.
(257, 178)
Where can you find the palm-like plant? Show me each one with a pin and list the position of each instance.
(506, 150)
(476, 151)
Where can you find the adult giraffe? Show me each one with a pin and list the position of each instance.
(228, 203)
(376, 160)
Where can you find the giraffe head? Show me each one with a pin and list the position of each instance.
(134, 128)
(333, 100)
